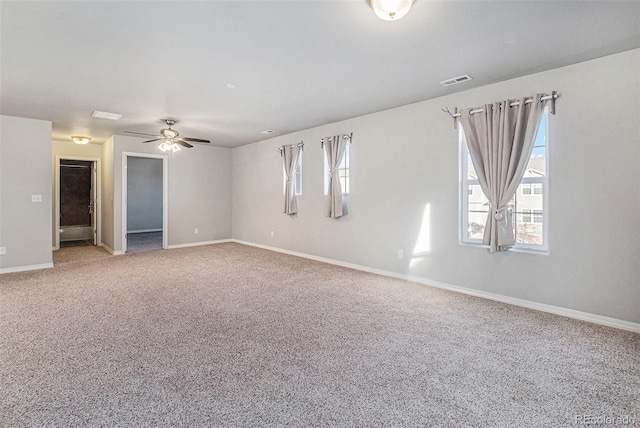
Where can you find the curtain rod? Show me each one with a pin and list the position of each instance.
(300, 144)
(349, 136)
(551, 97)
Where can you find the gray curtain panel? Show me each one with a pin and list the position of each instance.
(291, 157)
(334, 149)
(500, 141)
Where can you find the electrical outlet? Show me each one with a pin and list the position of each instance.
(36, 198)
(3, 251)
(195, 231)
(400, 254)
(272, 233)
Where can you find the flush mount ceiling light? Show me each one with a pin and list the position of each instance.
(391, 10)
(80, 140)
(268, 131)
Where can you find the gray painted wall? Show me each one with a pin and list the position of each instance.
(25, 170)
(144, 194)
(404, 166)
(200, 195)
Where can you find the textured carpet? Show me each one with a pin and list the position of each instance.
(233, 336)
(82, 254)
(144, 241)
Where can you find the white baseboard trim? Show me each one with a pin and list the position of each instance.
(144, 230)
(197, 244)
(113, 253)
(557, 310)
(26, 268)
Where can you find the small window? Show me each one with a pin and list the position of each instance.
(528, 206)
(297, 178)
(343, 172)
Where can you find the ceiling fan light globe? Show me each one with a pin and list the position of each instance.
(175, 147)
(391, 10)
(165, 146)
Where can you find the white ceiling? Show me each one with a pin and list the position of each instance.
(297, 64)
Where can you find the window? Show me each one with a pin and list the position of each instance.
(537, 216)
(528, 206)
(297, 178)
(343, 172)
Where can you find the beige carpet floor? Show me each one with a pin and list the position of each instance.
(234, 336)
(83, 254)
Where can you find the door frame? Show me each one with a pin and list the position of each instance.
(165, 196)
(98, 198)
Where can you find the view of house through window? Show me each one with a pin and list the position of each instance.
(528, 205)
(343, 172)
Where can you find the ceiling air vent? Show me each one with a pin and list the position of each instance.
(106, 115)
(456, 80)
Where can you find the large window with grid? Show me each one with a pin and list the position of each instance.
(529, 205)
(343, 172)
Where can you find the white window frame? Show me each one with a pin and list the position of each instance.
(465, 182)
(344, 166)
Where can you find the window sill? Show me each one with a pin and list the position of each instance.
(541, 252)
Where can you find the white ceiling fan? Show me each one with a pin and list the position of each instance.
(171, 139)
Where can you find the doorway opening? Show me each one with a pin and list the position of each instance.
(77, 202)
(144, 213)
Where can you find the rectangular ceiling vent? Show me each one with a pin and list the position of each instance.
(106, 115)
(456, 80)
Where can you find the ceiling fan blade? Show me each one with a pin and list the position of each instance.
(155, 139)
(141, 133)
(195, 140)
(183, 143)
